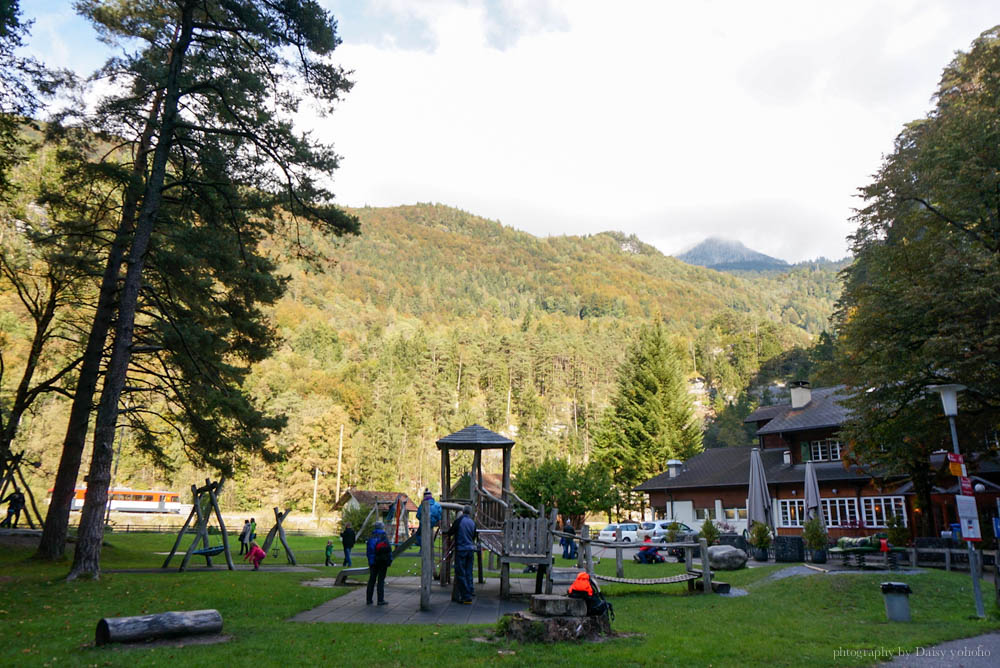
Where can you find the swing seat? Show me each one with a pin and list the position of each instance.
(210, 551)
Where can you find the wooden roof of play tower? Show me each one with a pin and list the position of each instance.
(474, 437)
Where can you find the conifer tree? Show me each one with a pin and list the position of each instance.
(651, 417)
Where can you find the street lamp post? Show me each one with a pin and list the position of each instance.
(949, 400)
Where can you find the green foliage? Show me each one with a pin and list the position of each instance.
(673, 529)
(814, 534)
(651, 417)
(919, 303)
(760, 535)
(897, 532)
(356, 516)
(710, 532)
(574, 490)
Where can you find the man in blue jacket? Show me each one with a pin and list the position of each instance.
(463, 529)
(379, 553)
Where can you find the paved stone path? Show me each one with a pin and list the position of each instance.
(976, 652)
(403, 596)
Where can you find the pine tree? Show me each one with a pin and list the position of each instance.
(651, 418)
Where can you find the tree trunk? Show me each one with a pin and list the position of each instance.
(86, 558)
(922, 486)
(53, 542)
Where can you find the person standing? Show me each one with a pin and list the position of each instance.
(379, 553)
(15, 504)
(569, 545)
(329, 553)
(347, 539)
(436, 510)
(463, 529)
(245, 537)
(253, 530)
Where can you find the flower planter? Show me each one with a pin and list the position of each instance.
(819, 556)
(760, 554)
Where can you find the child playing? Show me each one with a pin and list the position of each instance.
(329, 553)
(255, 555)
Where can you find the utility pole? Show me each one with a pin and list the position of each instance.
(340, 453)
(315, 486)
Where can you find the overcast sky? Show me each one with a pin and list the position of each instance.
(672, 120)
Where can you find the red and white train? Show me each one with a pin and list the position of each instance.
(135, 500)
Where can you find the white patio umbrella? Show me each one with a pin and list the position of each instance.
(758, 499)
(814, 508)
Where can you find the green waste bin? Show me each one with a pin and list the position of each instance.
(897, 601)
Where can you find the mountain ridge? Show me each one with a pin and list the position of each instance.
(730, 255)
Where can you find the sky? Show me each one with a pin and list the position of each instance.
(671, 120)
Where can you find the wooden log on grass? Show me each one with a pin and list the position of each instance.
(162, 625)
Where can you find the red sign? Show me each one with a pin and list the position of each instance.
(966, 486)
(955, 457)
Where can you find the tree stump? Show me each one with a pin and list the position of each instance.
(163, 625)
(528, 627)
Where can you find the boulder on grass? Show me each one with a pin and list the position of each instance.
(726, 558)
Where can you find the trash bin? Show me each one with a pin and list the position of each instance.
(897, 601)
(956, 532)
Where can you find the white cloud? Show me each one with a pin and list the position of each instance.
(755, 121)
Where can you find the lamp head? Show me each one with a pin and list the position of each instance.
(949, 397)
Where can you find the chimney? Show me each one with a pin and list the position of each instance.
(787, 457)
(801, 394)
(674, 467)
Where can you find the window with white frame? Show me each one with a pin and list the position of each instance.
(825, 450)
(877, 509)
(733, 514)
(791, 512)
(703, 513)
(840, 512)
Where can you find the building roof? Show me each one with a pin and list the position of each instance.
(823, 410)
(723, 467)
(474, 437)
(370, 498)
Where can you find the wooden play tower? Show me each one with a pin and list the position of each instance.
(524, 540)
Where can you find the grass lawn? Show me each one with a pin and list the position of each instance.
(788, 622)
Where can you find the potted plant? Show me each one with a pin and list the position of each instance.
(760, 540)
(710, 532)
(814, 534)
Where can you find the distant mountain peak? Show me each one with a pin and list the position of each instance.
(729, 255)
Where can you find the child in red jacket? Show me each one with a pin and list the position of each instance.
(255, 555)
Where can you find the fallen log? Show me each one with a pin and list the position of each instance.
(162, 625)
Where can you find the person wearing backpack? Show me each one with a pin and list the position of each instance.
(379, 553)
(347, 539)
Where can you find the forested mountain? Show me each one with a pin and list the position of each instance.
(433, 318)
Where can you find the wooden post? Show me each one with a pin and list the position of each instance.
(947, 559)
(706, 572)
(505, 485)
(198, 531)
(212, 495)
(180, 535)
(474, 483)
(589, 556)
(688, 559)
(580, 556)
(619, 567)
(445, 517)
(504, 579)
(426, 555)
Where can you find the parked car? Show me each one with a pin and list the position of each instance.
(646, 529)
(684, 532)
(630, 532)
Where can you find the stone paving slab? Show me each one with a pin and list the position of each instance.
(403, 597)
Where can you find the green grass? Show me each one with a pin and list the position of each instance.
(789, 622)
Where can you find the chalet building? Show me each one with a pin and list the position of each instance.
(713, 484)
(354, 498)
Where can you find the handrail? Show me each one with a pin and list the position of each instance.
(623, 545)
(486, 493)
(522, 501)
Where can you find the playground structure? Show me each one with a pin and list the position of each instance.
(511, 538)
(205, 502)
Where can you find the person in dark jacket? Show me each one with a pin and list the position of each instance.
(15, 504)
(568, 544)
(378, 565)
(347, 538)
(463, 530)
